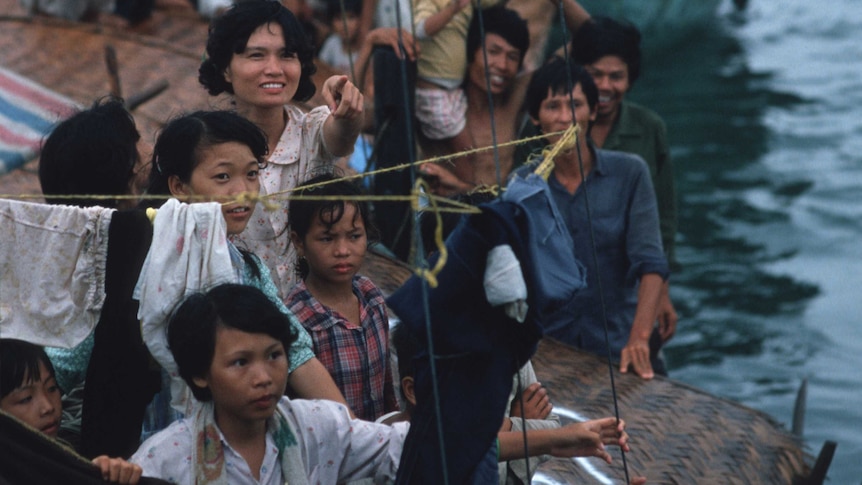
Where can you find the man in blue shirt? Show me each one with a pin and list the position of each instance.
(606, 197)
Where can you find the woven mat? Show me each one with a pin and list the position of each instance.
(679, 434)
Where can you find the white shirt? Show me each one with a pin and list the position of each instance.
(333, 53)
(210, 8)
(334, 448)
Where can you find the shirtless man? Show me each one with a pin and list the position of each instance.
(506, 42)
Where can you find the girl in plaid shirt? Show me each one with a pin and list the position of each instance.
(344, 313)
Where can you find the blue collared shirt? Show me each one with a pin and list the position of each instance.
(625, 225)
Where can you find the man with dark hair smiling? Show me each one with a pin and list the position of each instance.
(506, 42)
(610, 51)
(607, 201)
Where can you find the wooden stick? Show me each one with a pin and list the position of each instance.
(113, 71)
(136, 100)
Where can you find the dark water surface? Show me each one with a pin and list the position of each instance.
(764, 114)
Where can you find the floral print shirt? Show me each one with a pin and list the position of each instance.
(300, 150)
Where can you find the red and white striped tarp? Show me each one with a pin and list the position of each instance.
(28, 112)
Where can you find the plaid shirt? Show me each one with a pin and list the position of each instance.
(357, 357)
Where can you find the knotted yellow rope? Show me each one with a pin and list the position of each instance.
(566, 142)
(430, 275)
(438, 205)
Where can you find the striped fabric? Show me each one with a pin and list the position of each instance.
(28, 112)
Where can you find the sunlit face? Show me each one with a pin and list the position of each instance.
(504, 61)
(36, 402)
(224, 172)
(264, 75)
(247, 377)
(555, 113)
(335, 253)
(611, 76)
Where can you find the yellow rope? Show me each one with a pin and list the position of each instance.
(566, 142)
(280, 195)
(494, 190)
(430, 275)
(438, 205)
(441, 158)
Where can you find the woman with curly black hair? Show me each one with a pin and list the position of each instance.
(258, 53)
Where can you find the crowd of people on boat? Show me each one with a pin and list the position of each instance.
(214, 331)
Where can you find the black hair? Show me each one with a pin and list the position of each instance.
(406, 347)
(502, 21)
(229, 34)
(553, 76)
(192, 327)
(333, 9)
(20, 360)
(179, 145)
(302, 213)
(93, 152)
(604, 36)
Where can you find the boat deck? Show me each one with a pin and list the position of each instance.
(680, 435)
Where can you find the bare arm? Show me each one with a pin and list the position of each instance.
(366, 17)
(667, 316)
(576, 439)
(574, 13)
(443, 182)
(636, 351)
(346, 103)
(383, 36)
(437, 21)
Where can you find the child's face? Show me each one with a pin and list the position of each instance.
(36, 403)
(338, 22)
(224, 171)
(264, 75)
(334, 254)
(247, 377)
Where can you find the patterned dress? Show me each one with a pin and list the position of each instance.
(300, 150)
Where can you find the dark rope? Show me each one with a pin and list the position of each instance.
(523, 426)
(419, 260)
(499, 177)
(570, 86)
